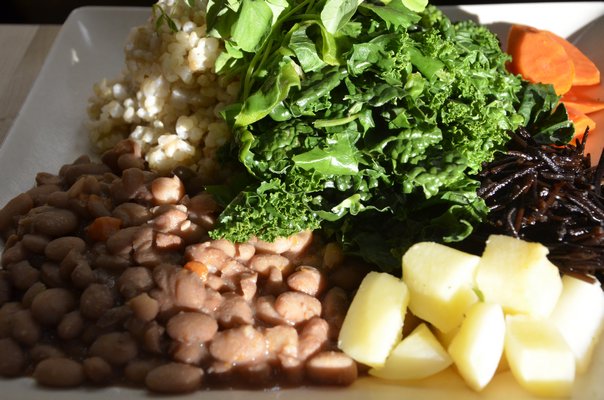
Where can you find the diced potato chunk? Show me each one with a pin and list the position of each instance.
(579, 316)
(417, 356)
(374, 321)
(441, 283)
(477, 348)
(518, 275)
(539, 357)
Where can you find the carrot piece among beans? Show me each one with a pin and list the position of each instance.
(102, 228)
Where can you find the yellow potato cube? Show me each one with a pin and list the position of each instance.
(579, 316)
(374, 321)
(417, 356)
(518, 275)
(440, 280)
(477, 348)
(538, 356)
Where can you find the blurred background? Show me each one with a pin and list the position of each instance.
(56, 11)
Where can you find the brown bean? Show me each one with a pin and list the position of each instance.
(134, 280)
(115, 317)
(282, 342)
(43, 351)
(7, 311)
(332, 368)
(49, 306)
(13, 359)
(25, 329)
(23, 275)
(57, 249)
(82, 275)
(117, 348)
(307, 280)
(50, 275)
(191, 327)
(6, 289)
(348, 276)
(174, 378)
(153, 338)
(136, 370)
(59, 372)
(97, 370)
(19, 205)
(332, 255)
(167, 190)
(55, 222)
(126, 161)
(58, 199)
(262, 263)
(72, 172)
(131, 214)
(71, 325)
(96, 300)
(234, 311)
(144, 307)
(239, 345)
(189, 353)
(313, 337)
(297, 307)
(31, 293)
(34, 243)
(335, 305)
(13, 254)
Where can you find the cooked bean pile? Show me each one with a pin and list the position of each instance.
(108, 277)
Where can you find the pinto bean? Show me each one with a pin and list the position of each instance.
(297, 307)
(96, 300)
(189, 353)
(212, 257)
(307, 280)
(144, 307)
(19, 205)
(192, 327)
(117, 348)
(134, 280)
(25, 329)
(239, 345)
(13, 254)
(5, 289)
(313, 337)
(278, 246)
(43, 351)
(71, 325)
(23, 275)
(13, 358)
(282, 342)
(136, 370)
(58, 199)
(98, 206)
(7, 311)
(49, 306)
(234, 311)
(59, 372)
(82, 275)
(55, 222)
(131, 214)
(57, 249)
(31, 293)
(174, 378)
(40, 193)
(244, 252)
(335, 305)
(34, 243)
(332, 368)
(50, 275)
(71, 173)
(258, 374)
(247, 285)
(169, 218)
(262, 263)
(266, 312)
(97, 370)
(153, 338)
(167, 190)
(274, 283)
(115, 317)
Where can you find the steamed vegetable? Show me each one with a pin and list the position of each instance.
(362, 118)
(586, 72)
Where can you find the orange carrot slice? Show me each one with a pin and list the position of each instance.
(198, 268)
(586, 72)
(102, 227)
(579, 98)
(581, 122)
(539, 58)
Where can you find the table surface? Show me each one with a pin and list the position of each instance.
(24, 49)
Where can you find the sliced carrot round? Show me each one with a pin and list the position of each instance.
(586, 72)
(539, 58)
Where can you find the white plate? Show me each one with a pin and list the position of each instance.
(49, 131)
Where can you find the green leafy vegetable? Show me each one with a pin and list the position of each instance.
(366, 119)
